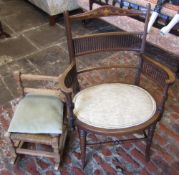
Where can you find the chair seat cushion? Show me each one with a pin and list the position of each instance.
(114, 106)
(38, 114)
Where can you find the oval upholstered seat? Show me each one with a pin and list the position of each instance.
(114, 106)
(38, 114)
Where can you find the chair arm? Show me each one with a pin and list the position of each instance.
(67, 82)
(157, 72)
(67, 79)
(162, 75)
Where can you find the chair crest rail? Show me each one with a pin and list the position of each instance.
(107, 11)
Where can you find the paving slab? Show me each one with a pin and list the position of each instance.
(46, 35)
(51, 61)
(3, 70)
(6, 72)
(11, 7)
(11, 85)
(5, 95)
(13, 48)
(26, 18)
(6, 28)
(21, 65)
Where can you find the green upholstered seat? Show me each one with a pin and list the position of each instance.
(38, 114)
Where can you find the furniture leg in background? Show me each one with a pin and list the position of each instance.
(52, 20)
(177, 72)
(2, 33)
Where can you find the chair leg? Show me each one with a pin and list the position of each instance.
(16, 145)
(149, 141)
(57, 162)
(15, 156)
(177, 72)
(82, 135)
(55, 147)
(90, 4)
(52, 20)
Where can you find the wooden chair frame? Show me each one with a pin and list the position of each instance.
(93, 43)
(56, 141)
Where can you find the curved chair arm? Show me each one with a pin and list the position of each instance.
(161, 75)
(157, 71)
(67, 86)
(67, 79)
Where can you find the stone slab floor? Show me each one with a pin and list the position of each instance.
(35, 47)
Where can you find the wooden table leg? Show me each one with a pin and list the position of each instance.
(2, 33)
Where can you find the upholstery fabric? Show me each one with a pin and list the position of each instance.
(54, 7)
(38, 114)
(114, 106)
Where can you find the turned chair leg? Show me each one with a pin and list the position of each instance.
(82, 135)
(149, 141)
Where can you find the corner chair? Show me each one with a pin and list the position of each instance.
(117, 108)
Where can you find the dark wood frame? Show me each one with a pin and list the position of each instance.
(52, 20)
(56, 141)
(93, 43)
